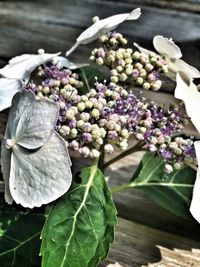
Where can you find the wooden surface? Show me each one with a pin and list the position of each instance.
(146, 235)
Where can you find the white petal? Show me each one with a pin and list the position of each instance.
(21, 67)
(191, 97)
(195, 204)
(5, 169)
(31, 122)
(64, 62)
(40, 177)
(103, 26)
(166, 46)
(8, 88)
(188, 71)
(142, 49)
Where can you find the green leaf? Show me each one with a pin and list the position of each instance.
(88, 75)
(19, 236)
(80, 227)
(171, 191)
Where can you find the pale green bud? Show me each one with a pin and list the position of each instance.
(146, 86)
(69, 114)
(73, 133)
(81, 106)
(64, 130)
(100, 61)
(80, 123)
(139, 80)
(136, 55)
(95, 113)
(88, 104)
(94, 153)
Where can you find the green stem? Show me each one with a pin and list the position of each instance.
(85, 79)
(133, 149)
(101, 161)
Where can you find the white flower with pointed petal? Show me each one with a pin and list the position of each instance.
(34, 158)
(195, 204)
(8, 88)
(64, 62)
(21, 67)
(17, 73)
(103, 26)
(191, 97)
(172, 54)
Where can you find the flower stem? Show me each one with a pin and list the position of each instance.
(85, 79)
(135, 148)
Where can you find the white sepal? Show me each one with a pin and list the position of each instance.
(22, 66)
(195, 204)
(166, 47)
(64, 62)
(103, 26)
(191, 98)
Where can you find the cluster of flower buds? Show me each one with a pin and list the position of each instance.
(157, 130)
(127, 66)
(105, 117)
(113, 40)
(59, 85)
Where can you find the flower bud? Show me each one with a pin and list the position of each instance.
(136, 55)
(152, 148)
(146, 86)
(80, 123)
(149, 67)
(87, 127)
(108, 148)
(100, 61)
(119, 68)
(112, 135)
(73, 133)
(139, 80)
(84, 151)
(88, 104)
(74, 145)
(85, 116)
(64, 130)
(86, 137)
(125, 133)
(138, 66)
(69, 114)
(84, 98)
(94, 153)
(81, 106)
(95, 113)
(99, 141)
(114, 79)
(123, 145)
(96, 134)
(168, 168)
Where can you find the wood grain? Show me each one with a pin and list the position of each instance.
(139, 245)
(24, 31)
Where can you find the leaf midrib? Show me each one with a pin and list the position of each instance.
(90, 181)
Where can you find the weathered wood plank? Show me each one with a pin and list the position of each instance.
(186, 5)
(140, 245)
(25, 31)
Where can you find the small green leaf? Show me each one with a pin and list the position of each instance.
(80, 227)
(19, 236)
(88, 75)
(171, 191)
